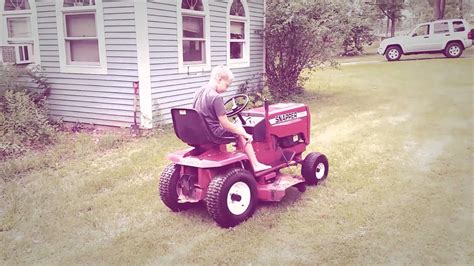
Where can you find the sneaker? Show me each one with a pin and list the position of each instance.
(260, 167)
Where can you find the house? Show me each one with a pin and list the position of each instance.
(92, 52)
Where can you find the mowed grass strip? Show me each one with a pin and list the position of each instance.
(399, 140)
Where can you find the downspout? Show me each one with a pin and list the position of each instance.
(264, 45)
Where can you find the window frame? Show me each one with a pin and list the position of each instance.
(245, 61)
(184, 67)
(83, 67)
(29, 14)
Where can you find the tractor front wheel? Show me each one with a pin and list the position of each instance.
(169, 188)
(232, 197)
(315, 168)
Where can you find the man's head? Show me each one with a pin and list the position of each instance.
(221, 77)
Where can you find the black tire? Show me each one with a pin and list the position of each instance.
(312, 164)
(453, 50)
(168, 188)
(218, 192)
(393, 53)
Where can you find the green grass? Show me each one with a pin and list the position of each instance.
(372, 56)
(399, 140)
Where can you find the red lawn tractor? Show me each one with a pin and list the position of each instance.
(224, 178)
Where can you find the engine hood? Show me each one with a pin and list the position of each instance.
(394, 40)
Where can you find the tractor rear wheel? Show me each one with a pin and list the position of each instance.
(315, 168)
(232, 197)
(169, 188)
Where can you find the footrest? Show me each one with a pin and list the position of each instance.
(276, 190)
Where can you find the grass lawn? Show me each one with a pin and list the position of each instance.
(399, 138)
(372, 56)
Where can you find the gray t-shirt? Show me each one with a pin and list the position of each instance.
(211, 105)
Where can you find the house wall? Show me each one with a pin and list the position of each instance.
(173, 89)
(105, 99)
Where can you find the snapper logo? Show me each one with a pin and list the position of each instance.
(287, 117)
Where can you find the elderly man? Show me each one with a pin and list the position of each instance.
(208, 101)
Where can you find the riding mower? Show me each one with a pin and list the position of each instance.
(223, 176)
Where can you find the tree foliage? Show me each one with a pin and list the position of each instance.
(392, 9)
(299, 35)
(359, 31)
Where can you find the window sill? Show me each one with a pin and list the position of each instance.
(238, 64)
(83, 69)
(194, 69)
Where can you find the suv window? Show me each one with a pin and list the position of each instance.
(422, 30)
(458, 26)
(441, 27)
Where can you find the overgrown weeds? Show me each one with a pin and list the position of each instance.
(24, 121)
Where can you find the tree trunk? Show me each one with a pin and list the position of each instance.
(439, 6)
(388, 26)
(392, 28)
(461, 15)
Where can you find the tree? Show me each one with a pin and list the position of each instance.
(439, 7)
(359, 21)
(392, 9)
(299, 35)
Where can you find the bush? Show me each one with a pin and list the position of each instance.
(256, 90)
(23, 115)
(357, 37)
(299, 35)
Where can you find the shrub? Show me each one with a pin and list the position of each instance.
(256, 90)
(23, 123)
(357, 37)
(299, 35)
(23, 115)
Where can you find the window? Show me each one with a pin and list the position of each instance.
(81, 37)
(193, 36)
(441, 27)
(238, 34)
(422, 30)
(16, 5)
(458, 26)
(18, 28)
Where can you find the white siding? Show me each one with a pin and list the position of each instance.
(99, 99)
(173, 89)
(108, 99)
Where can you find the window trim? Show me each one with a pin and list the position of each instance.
(81, 68)
(244, 62)
(194, 67)
(28, 13)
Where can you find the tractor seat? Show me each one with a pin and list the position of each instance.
(191, 128)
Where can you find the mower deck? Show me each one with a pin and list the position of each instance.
(276, 190)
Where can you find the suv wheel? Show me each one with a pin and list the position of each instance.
(393, 53)
(453, 50)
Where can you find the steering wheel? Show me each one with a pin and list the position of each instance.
(239, 102)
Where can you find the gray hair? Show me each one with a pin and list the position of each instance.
(220, 72)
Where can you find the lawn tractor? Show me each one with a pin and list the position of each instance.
(223, 176)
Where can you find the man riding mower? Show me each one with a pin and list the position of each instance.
(229, 180)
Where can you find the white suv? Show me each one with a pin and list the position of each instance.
(449, 36)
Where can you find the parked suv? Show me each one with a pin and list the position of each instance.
(450, 37)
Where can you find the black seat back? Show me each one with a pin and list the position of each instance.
(191, 128)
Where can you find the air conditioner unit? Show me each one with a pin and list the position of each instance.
(18, 54)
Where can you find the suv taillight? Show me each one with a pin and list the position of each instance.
(470, 34)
